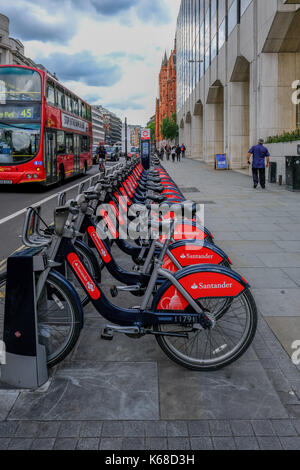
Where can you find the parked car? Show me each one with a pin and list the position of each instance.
(112, 154)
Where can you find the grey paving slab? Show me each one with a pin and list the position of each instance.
(289, 246)
(107, 391)
(246, 246)
(7, 400)
(224, 443)
(294, 274)
(241, 428)
(110, 443)
(177, 429)
(65, 443)
(269, 443)
(278, 302)
(43, 444)
(287, 330)
(156, 428)
(281, 260)
(179, 443)
(201, 443)
(246, 260)
(4, 443)
(156, 443)
(133, 443)
(8, 429)
(246, 443)
(290, 443)
(284, 427)
(91, 429)
(88, 444)
(268, 278)
(242, 391)
(199, 428)
(260, 236)
(20, 444)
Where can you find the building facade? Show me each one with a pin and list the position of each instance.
(237, 61)
(98, 129)
(11, 50)
(166, 103)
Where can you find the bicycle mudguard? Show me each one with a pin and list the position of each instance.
(73, 293)
(97, 268)
(200, 282)
(191, 252)
(190, 230)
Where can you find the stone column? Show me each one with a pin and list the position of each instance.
(197, 137)
(187, 139)
(238, 140)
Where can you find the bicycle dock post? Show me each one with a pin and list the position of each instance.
(26, 362)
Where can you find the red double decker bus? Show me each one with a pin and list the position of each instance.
(45, 129)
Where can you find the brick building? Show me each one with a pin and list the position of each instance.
(166, 103)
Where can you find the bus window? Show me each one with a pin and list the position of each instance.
(50, 94)
(83, 111)
(68, 103)
(69, 143)
(61, 147)
(76, 107)
(60, 98)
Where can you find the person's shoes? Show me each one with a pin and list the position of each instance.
(255, 186)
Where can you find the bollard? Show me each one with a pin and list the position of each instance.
(26, 362)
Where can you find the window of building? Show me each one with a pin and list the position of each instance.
(50, 94)
(232, 16)
(244, 5)
(76, 107)
(207, 38)
(60, 143)
(69, 143)
(83, 110)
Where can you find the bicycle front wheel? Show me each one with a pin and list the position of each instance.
(59, 322)
(208, 350)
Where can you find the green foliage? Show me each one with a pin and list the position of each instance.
(169, 128)
(152, 128)
(285, 137)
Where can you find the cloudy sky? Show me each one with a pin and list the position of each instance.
(107, 51)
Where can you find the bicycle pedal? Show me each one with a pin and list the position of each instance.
(107, 334)
(114, 291)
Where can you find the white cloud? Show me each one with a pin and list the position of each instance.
(127, 39)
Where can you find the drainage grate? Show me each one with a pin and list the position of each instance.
(189, 190)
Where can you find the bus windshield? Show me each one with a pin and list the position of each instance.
(19, 143)
(19, 84)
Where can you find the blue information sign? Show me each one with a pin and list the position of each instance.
(221, 161)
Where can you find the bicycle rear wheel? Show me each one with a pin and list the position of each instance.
(208, 350)
(59, 322)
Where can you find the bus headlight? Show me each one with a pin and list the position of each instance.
(28, 177)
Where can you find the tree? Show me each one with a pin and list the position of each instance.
(152, 128)
(169, 128)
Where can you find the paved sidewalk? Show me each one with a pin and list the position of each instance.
(126, 394)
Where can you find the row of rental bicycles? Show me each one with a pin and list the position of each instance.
(200, 311)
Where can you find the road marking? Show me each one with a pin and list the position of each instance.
(43, 201)
(16, 251)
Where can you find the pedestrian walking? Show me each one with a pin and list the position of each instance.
(162, 154)
(178, 152)
(168, 152)
(183, 149)
(173, 153)
(260, 161)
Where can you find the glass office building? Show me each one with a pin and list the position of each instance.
(236, 62)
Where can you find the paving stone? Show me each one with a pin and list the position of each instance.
(263, 428)
(110, 443)
(134, 429)
(65, 443)
(296, 424)
(199, 428)
(220, 428)
(279, 381)
(221, 395)
(284, 427)
(113, 429)
(43, 444)
(7, 400)
(156, 429)
(109, 391)
(269, 443)
(290, 443)
(27, 429)
(224, 443)
(201, 443)
(20, 444)
(8, 428)
(246, 443)
(4, 442)
(178, 443)
(69, 429)
(47, 429)
(91, 429)
(293, 411)
(241, 428)
(88, 444)
(133, 443)
(156, 443)
(177, 429)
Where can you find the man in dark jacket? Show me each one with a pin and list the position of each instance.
(261, 161)
(178, 152)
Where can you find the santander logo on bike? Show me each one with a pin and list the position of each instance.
(99, 245)
(84, 276)
(202, 285)
(196, 256)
